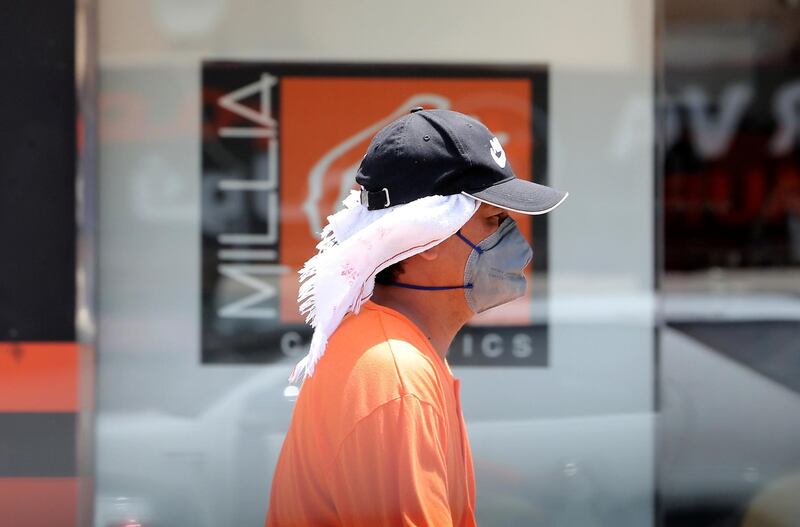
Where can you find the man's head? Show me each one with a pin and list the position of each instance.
(436, 189)
(430, 152)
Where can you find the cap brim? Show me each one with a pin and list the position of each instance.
(518, 195)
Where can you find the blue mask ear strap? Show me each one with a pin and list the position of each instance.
(464, 238)
(430, 287)
(441, 287)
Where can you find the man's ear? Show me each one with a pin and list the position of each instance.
(430, 254)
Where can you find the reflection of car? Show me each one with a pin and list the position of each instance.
(552, 463)
(215, 469)
(211, 470)
(122, 511)
(582, 471)
(726, 432)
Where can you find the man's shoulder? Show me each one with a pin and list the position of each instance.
(383, 344)
(375, 357)
(372, 360)
(375, 324)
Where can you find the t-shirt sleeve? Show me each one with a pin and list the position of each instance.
(391, 469)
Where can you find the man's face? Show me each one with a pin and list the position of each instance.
(483, 223)
(450, 256)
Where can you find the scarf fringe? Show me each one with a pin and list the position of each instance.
(308, 276)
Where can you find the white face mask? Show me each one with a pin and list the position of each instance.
(493, 274)
(494, 269)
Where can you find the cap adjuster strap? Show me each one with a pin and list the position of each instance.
(429, 287)
(375, 200)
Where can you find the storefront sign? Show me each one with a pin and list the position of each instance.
(281, 145)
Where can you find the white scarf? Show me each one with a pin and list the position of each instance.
(356, 245)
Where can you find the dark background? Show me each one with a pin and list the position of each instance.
(37, 171)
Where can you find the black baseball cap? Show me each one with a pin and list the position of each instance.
(442, 152)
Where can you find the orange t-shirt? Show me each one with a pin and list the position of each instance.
(377, 436)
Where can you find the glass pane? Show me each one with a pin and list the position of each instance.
(198, 330)
(730, 365)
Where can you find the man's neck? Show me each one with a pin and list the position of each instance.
(438, 314)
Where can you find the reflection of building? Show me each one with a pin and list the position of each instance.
(731, 283)
(732, 172)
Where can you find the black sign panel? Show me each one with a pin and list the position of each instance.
(281, 144)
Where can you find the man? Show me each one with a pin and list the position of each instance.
(377, 436)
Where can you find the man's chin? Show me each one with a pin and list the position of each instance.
(516, 312)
